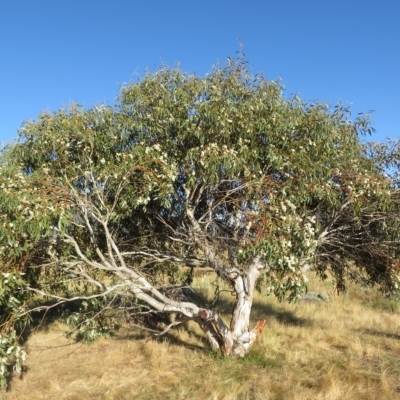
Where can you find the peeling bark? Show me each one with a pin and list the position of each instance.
(236, 340)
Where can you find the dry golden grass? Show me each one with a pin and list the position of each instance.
(348, 348)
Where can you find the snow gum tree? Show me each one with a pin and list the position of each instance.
(116, 207)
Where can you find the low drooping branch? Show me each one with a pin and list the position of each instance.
(159, 257)
(62, 300)
(112, 257)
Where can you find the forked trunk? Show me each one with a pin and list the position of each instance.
(237, 339)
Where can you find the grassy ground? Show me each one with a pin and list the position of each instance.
(348, 348)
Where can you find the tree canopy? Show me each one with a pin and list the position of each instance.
(113, 207)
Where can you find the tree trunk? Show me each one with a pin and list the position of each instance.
(237, 339)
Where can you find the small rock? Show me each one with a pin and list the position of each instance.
(314, 297)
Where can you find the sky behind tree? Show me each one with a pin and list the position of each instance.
(57, 52)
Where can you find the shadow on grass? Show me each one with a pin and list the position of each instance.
(172, 336)
(374, 332)
(41, 321)
(284, 317)
(260, 310)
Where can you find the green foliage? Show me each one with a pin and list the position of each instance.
(91, 321)
(11, 355)
(386, 157)
(10, 284)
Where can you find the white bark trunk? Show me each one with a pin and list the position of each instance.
(237, 339)
(244, 288)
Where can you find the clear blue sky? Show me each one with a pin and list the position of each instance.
(54, 52)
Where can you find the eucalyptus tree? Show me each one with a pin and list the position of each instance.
(109, 206)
